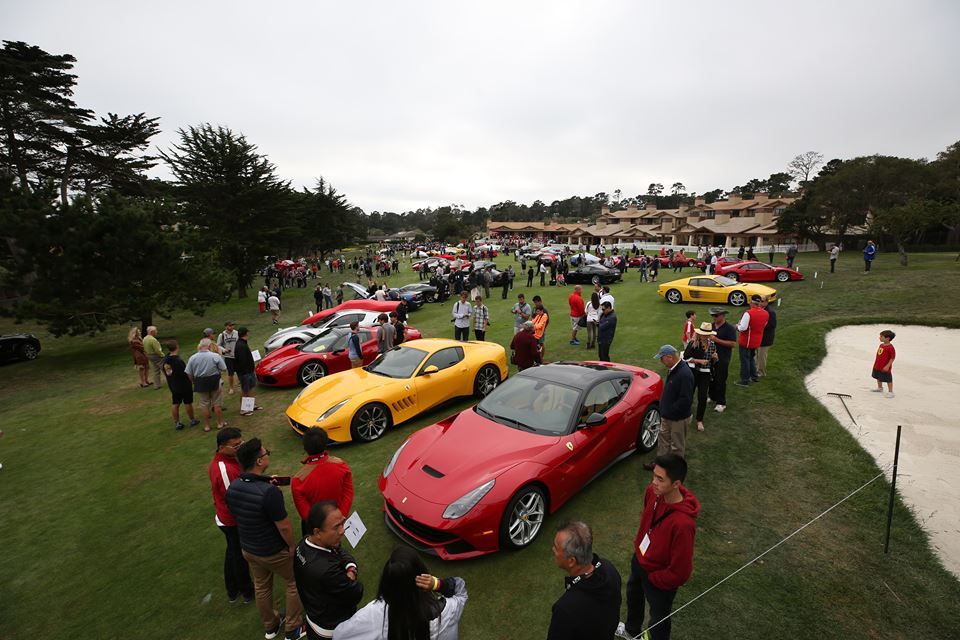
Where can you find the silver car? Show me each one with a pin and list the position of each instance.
(302, 333)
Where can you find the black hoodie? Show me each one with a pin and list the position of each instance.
(590, 607)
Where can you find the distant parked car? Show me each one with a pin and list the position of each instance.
(19, 346)
(428, 290)
(303, 333)
(586, 275)
(752, 271)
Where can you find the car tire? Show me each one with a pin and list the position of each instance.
(370, 422)
(649, 429)
(28, 351)
(733, 276)
(311, 372)
(488, 377)
(523, 518)
(674, 296)
(293, 341)
(737, 298)
(782, 276)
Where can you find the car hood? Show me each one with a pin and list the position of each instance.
(329, 390)
(468, 451)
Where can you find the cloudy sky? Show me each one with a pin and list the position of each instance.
(423, 103)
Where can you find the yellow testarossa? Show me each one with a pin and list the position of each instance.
(362, 403)
(715, 289)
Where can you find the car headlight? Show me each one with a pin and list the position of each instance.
(467, 501)
(331, 410)
(279, 366)
(393, 460)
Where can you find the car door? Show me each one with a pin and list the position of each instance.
(762, 273)
(591, 449)
(447, 382)
(368, 346)
(697, 287)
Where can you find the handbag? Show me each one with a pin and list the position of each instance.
(582, 322)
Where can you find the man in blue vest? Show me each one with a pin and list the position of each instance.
(869, 253)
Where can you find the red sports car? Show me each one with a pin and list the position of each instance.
(301, 364)
(486, 478)
(752, 271)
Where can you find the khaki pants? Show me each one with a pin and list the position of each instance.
(356, 363)
(156, 365)
(762, 360)
(262, 569)
(673, 437)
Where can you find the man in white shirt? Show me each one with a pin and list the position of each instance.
(262, 299)
(226, 341)
(461, 318)
(274, 303)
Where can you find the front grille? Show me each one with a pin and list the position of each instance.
(422, 531)
(299, 428)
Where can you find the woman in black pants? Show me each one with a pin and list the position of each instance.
(700, 354)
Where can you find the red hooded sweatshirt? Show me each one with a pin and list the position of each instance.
(668, 559)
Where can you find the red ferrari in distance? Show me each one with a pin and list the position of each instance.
(751, 271)
(485, 479)
(367, 305)
(301, 364)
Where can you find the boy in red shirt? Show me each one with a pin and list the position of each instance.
(883, 364)
(663, 549)
(688, 327)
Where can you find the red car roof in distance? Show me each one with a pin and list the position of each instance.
(351, 305)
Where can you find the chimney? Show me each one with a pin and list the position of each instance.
(631, 208)
(651, 206)
(734, 197)
(604, 210)
(699, 201)
(723, 217)
(764, 216)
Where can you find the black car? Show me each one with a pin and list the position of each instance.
(588, 274)
(19, 346)
(428, 291)
(414, 299)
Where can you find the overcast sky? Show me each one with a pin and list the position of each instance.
(411, 104)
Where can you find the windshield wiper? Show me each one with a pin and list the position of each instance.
(379, 373)
(519, 424)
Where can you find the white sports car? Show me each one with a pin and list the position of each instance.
(302, 333)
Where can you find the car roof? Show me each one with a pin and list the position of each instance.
(580, 375)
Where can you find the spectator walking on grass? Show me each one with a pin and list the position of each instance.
(151, 346)
(750, 335)
(769, 335)
(481, 318)
(410, 604)
(273, 301)
(577, 313)
(262, 296)
(521, 313)
(834, 254)
(354, 346)
(140, 361)
(181, 391)
(590, 604)
(606, 330)
(701, 354)
(592, 310)
(791, 254)
(869, 253)
(530, 277)
(322, 477)
(724, 340)
(226, 343)
(461, 317)
(204, 369)
(385, 333)
(245, 367)
(662, 558)
(266, 538)
(318, 297)
(541, 319)
(676, 401)
(223, 470)
(688, 327)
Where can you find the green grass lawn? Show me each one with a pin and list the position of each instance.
(106, 519)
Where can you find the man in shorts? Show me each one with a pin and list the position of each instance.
(226, 342)
(179, 384)
(204, 368)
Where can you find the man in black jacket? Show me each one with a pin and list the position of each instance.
(266, 538)
(607, 329)
(590, 605)
(326, 574)
(676, 402)
(244, 366)
(769, 334)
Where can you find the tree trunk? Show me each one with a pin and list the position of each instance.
(903, 254)
(146, 320)
(241, 285)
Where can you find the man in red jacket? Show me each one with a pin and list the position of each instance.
(223, 469)
(663, 549)
(322, 477)
(577, 311)
(751, 327)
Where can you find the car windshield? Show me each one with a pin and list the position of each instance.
(727, 282)
(531, 404)
(400, 362)
(325, 341)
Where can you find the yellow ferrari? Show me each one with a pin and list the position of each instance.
(360, 404)
(713, 289)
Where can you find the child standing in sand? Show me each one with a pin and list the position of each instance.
(883, 364)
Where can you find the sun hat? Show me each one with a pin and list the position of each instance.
(706, 329)
(666, 350)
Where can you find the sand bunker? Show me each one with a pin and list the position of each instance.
(926, 376)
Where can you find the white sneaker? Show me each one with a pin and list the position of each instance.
(720, 408)
(889, 394)
(621, 632)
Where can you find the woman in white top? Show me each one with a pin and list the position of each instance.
(593, 320)
(411, 604)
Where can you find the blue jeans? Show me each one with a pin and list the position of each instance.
(748, 364)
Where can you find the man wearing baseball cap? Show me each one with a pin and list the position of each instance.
(676, 404)
(751, 328)
(725, 340)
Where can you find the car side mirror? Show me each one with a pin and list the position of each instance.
(431, 369)
(595, 420)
